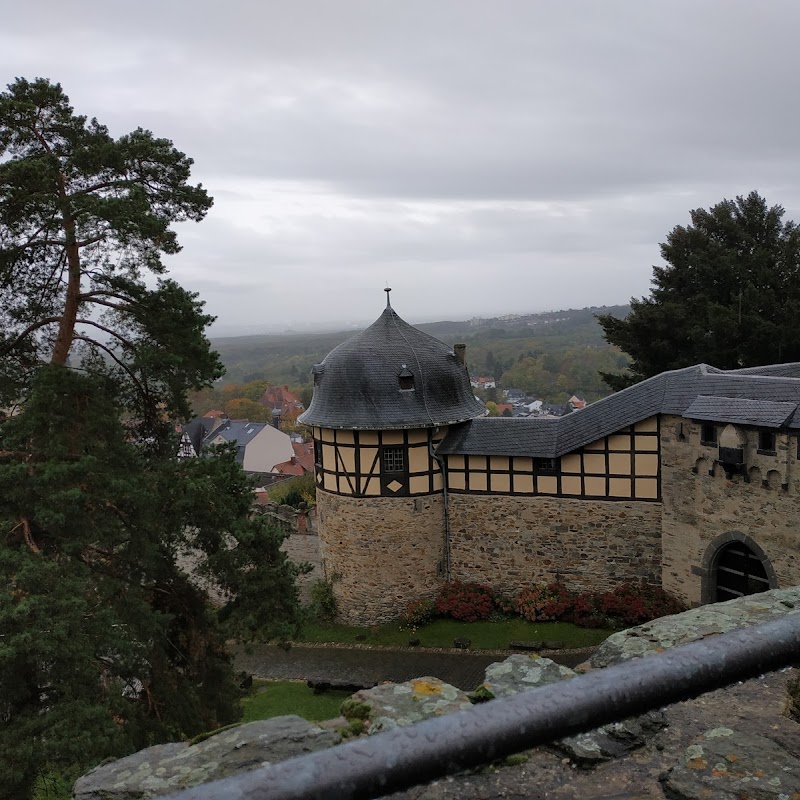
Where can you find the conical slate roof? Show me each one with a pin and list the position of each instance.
(364, 383)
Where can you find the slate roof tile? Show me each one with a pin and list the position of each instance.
(357, 384)
(773, 389)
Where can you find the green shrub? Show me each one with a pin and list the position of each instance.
(294, 491)
(323, 601)
(353, 709)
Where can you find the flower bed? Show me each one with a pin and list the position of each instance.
(624, 606)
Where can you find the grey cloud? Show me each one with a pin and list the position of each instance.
(497, 147)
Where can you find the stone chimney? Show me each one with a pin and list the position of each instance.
(461, 353)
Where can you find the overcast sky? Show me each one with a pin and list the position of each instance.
(480, 157)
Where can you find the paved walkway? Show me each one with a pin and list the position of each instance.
(369, 667)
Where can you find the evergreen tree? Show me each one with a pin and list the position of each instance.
(83, 218)
(107, 641)
(729, 295)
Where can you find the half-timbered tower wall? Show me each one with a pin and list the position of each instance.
(396, 463)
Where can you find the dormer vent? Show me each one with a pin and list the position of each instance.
(406, 379)
(732, 443)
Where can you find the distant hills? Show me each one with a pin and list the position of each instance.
(555, 353)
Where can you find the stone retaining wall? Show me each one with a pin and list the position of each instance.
(510, 542)
(301, 544)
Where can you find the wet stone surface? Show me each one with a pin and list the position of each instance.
(698, 623)
(730, 765)
(394, 705)
(524, 673)
(367, 667)
(166, 768)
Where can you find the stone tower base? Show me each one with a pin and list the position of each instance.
(380, 553)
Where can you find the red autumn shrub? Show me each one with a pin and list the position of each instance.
(467, 602)
(624, 606)
(544, 603)
(635, 603)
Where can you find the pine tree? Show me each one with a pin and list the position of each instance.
(728, 295)
(107, 642)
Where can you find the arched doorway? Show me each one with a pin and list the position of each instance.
(735, 566)
(739, 571)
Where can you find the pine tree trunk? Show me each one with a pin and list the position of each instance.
(66, 328)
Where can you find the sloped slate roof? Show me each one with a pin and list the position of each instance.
(739, 411)
(197, 429)
(508, 436)
(669, 393)
(357, 385)
(240, 432)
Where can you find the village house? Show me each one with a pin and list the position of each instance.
(260, 447)
(688, 480)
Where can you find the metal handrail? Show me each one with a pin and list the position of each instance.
(404, 757)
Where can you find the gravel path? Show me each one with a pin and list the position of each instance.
(368, 667)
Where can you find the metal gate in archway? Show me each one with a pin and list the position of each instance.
(739, 571)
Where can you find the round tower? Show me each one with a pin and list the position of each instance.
(382, 402)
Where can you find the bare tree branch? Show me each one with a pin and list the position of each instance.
(106, 293)
(26, 534)
(103, 328)
(120, 364)
(31, 328)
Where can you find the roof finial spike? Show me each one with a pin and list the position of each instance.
(387, 290)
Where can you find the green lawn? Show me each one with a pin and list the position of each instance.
(275, 698)
(485, 635)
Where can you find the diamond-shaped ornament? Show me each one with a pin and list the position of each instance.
(394, 486)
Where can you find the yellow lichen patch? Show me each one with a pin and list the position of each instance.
(425, 687)
(759, 773)
(697, 763)
(732, 757)
(720, 773)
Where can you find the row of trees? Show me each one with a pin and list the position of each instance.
(106, 644)
(554, 377)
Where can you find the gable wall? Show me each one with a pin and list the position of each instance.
(268, 448)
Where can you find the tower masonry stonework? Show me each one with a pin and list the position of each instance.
(687, 480)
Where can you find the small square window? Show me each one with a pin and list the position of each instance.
(393, 459)
(708, 433)
(544, 465)
(766, 442)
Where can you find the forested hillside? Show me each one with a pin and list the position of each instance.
(550, 355)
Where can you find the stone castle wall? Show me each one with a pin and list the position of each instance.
(302, 542)
(702, 511)
(511, 542)
(380, 553)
